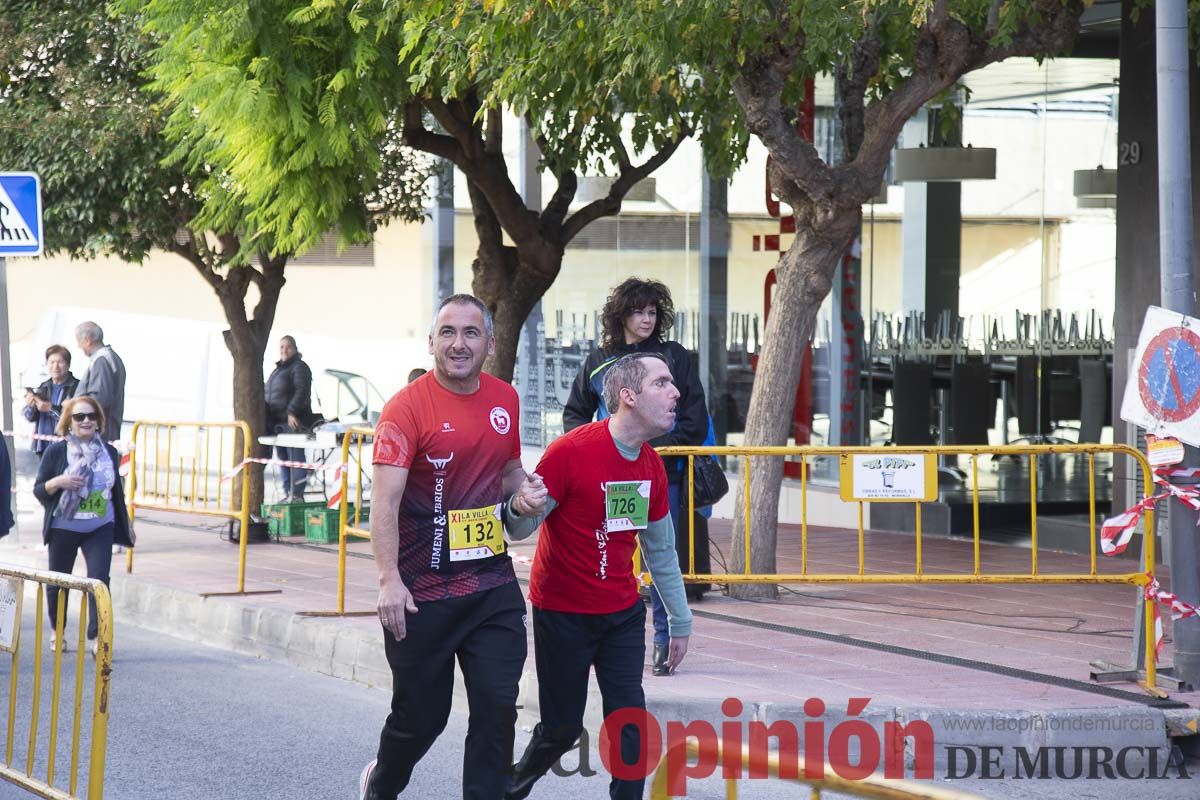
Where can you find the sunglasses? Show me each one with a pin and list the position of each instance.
(84, 415)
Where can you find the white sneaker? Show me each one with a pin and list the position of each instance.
(54, 643)
(94, 646)
(364, 780)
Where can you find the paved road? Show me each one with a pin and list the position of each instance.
(189, 721)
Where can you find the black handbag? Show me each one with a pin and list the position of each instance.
(710, 483)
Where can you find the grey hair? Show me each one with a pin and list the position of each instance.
(468, 299)
(627, 372)
(89, 330)
(288, 338)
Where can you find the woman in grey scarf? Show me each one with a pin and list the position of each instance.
(80, 490)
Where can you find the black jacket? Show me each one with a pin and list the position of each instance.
(691, 415)
(54, 463)
(6, 496)
(289, 391)
(46, 389)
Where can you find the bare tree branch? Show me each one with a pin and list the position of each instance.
(190, 254)
(759, 90)
(993, 19)
(453, 123)
(494, 136)
(255, 276)
(943, 56)
(611, 203)
(622, 154)
(940, 15)
(853, 76)
(556, 210)
(418, 137)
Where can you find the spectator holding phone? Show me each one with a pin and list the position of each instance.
(43, 405)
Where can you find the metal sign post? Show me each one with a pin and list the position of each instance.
(20, 235)
(6, 399)
(1178, 292)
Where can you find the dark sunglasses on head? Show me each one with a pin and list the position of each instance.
(81, 416)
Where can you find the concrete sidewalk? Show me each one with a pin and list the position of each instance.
(988, 664)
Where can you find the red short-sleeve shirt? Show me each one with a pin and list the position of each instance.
(455, 448)
(579, 566)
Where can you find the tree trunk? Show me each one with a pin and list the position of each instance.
(246, 340)
(511, 303)
(509, 282)
(249, 404)
(804, 274)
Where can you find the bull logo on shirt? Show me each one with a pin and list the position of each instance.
(440, 463)
(500, 420)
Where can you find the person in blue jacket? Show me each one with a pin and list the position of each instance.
(635, 319)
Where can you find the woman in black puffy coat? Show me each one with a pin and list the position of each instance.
(635, 319)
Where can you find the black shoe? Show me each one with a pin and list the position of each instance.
(661, 651)
(540, 755)
(695, 591)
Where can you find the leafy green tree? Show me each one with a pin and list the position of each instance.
(288, 92)
(889, 58)
(74, 107)
(582, 72)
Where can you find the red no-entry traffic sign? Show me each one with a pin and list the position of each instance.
(1169, 375)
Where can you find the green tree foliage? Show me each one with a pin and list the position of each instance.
(888, 58)
(287, 97)
(71, 109)
(74, 107)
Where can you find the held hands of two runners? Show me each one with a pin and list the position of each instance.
(530, 498)
(394, 601)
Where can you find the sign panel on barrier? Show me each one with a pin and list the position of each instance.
(889, 478)
(1163, 393)
(11, 592)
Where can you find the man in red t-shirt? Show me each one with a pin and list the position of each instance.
(602, 485)
(446, 454)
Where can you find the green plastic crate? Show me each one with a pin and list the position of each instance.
(287, 519)
(364, 519)
(321, 524)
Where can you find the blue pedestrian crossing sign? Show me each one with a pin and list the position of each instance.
(20, 214)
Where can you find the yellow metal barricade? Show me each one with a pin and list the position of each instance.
(12, 591)
(919, 575)
(871, 786)
(186, 467)
(355, 462)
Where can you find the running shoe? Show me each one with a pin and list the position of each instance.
(364, 781)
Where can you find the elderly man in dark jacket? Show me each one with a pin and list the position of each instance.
(289, 410)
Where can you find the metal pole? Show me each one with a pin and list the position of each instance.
(442, 231)
(1178, 293)
(6, 397)
(714, 296)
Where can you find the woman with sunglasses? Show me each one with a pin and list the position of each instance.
(80, 488)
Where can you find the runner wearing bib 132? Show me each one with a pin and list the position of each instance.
(446, 454)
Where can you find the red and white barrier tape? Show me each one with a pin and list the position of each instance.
(123, 447)
(1179, 609)
(1116, 531)
(335, 499)
(278, 462)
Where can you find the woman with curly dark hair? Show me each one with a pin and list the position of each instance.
(635, 319)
